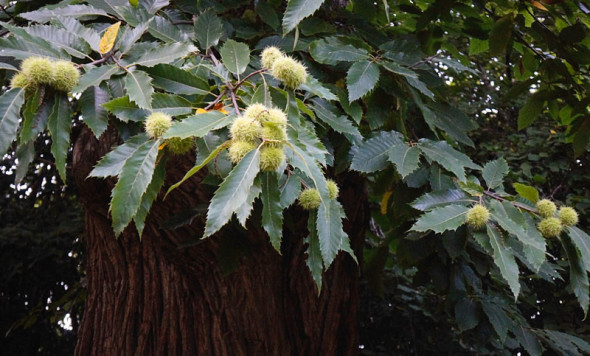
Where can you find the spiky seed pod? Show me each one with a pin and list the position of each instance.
(477, 217)
(275, 117)
(38, 70)
(333, 189)
(289, 71)
(19, 80)
(274, 133)
(550, 227)
(256, 111)
(180, 146)
(238, 149)
(269, 55)
(66, 76)
(546, 208)
(271, 158)
(309, 199)
(568, 216)
(245, 129)
(157, 124)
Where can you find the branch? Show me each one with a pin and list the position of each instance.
(248, 76)
(516, 204)
(216, 100)
(103, 59)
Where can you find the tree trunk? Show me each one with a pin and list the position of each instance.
(151, 297)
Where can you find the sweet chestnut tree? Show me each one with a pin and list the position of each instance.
(232, 157)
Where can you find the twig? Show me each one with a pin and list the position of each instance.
(6, 12)
(103, 59)
(216, 100)
(248, 76)
(425, 60)
(519, 205)
(233, 99)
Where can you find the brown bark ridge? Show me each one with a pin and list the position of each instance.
(151, 297)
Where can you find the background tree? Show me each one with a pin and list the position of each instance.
(386, 94)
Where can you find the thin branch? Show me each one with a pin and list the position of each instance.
(425, 60)
(518, 205)
(248, 76)
(216, 100)
(103, 59)
(6, 12)
(233, 99)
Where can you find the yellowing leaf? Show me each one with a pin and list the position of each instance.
(219, 107)
(384, 201)
(161, 147)
(538, 5)
(133, 3)
(108, 39)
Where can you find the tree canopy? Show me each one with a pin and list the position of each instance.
(467, 121)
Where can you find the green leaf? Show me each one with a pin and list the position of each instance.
(233, 192)
(466, 313)
(397, 69)
(302, 160)
(60, 38)
(45, 14)
(35, 113)
(477, 46)
(75, 27)
(152, 6)
(296, 11)
(164, 53)
(95, 76)
(361, 79)
(10, 104)
(235, 56)
(500, 35)
(289, 187)
(112, 163)
(25, 153)
(314, 255)
(504, 259)
(494, 172)
(578, 274)
(449, 158)
(60, 124)
(149, 197)
(243, 212)
(328, 113)
(497, 316)
(199, 166)
(176, 80)
(315, 87)
(372, 155)
(331, 235)
(530, 112)
(23, 45)
(420, 85)
(582, 242)
(170, 104)
(515, 223)
(451, 121)
(272, 211)
(8, 67)
(126, 110)
(449, 217)
(199, 125)
(406, 158)
(138, 85)
(332, 50)
(527, 192)
(136, 174)
(208, 29)
(164, 30)
(93, 113)
(436, 199)
(131, 36)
